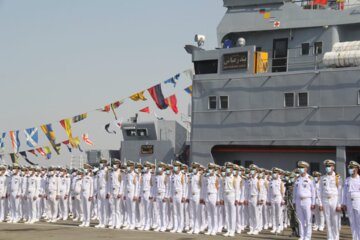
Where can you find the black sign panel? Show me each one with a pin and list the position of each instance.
(235, 61)
(147, 149)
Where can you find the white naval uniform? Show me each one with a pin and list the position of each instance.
(116, 191)
(231, 195)
(87, 192)
(304, 197)
(15, 194)
(177, 193)
(276, 196)
(3, 195)
(241, 208)
(351, 199)
(161, 182)
(42, 203)
(130, 191)
(52, 193)
(32, 194)
(254, 193)
(330, 190)
(210, 195)
(319, 215)
(101, 179)
(195, 210)
(146, 194)
(64, 191)
(76, 186)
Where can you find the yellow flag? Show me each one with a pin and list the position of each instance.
(267, 15)
(138, 96)
(66, 124)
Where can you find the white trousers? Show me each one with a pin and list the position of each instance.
(332, 218)
(115, 214)
(253, 214)
(319, 217)
(230, 211)
(162, 211)
(130, 209)
(212, 213)
(303, 211)
(32, 207)
(86, 206)
(354, 217)
(63, 207)
(146, 204)
(102, 205)
(2, 208)
(178, 213)
(277, 216)
(195, 213)
(53, 206)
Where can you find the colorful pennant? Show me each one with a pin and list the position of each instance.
(14, 136)
(86, 139)
(66, 124)
(24, 155)
(14, 158)
(172, 103)
(32, 137)
(107, 126)
(50, 134)
(157, 96)
(47, 152)
(145, 110)
(138, 96)
(2, 141)
(79, 118)
(189, 90)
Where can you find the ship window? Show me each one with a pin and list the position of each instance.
(142, 132)
(212, 102)
(303, 100)
(358, 101)
(224, 102)
(318, 48)
(305, 49)
(289, 100)
(206, 67)
(131, 132)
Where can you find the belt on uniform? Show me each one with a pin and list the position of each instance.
(194, 193)
(210, 193)
(303, 198)
(330, 196)
(355, 198)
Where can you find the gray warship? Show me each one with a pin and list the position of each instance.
(282, 86)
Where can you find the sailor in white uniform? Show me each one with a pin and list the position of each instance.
(304, 199)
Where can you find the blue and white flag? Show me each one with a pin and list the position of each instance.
(32, 137)
(173, 80)
(2, 141)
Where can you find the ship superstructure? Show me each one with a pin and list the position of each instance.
(282, 86)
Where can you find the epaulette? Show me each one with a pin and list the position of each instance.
(311, 178)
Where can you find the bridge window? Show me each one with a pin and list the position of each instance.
(305, 49)
(303, 99)
(318, 48)
(224, 102)
(212, 103)
(289, 99)
(206, 67)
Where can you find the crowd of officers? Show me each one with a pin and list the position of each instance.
(212, 200)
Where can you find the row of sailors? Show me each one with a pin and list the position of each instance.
(172, 197)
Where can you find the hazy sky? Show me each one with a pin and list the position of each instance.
(62, 58)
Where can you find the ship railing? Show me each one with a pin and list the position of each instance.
(323, 4)
(292, 63)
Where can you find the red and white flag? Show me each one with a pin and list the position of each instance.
(86, 139)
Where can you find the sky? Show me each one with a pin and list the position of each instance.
(62, 58)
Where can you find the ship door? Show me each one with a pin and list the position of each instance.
(280, 55)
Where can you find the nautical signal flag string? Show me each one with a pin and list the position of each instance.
(32, 135)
